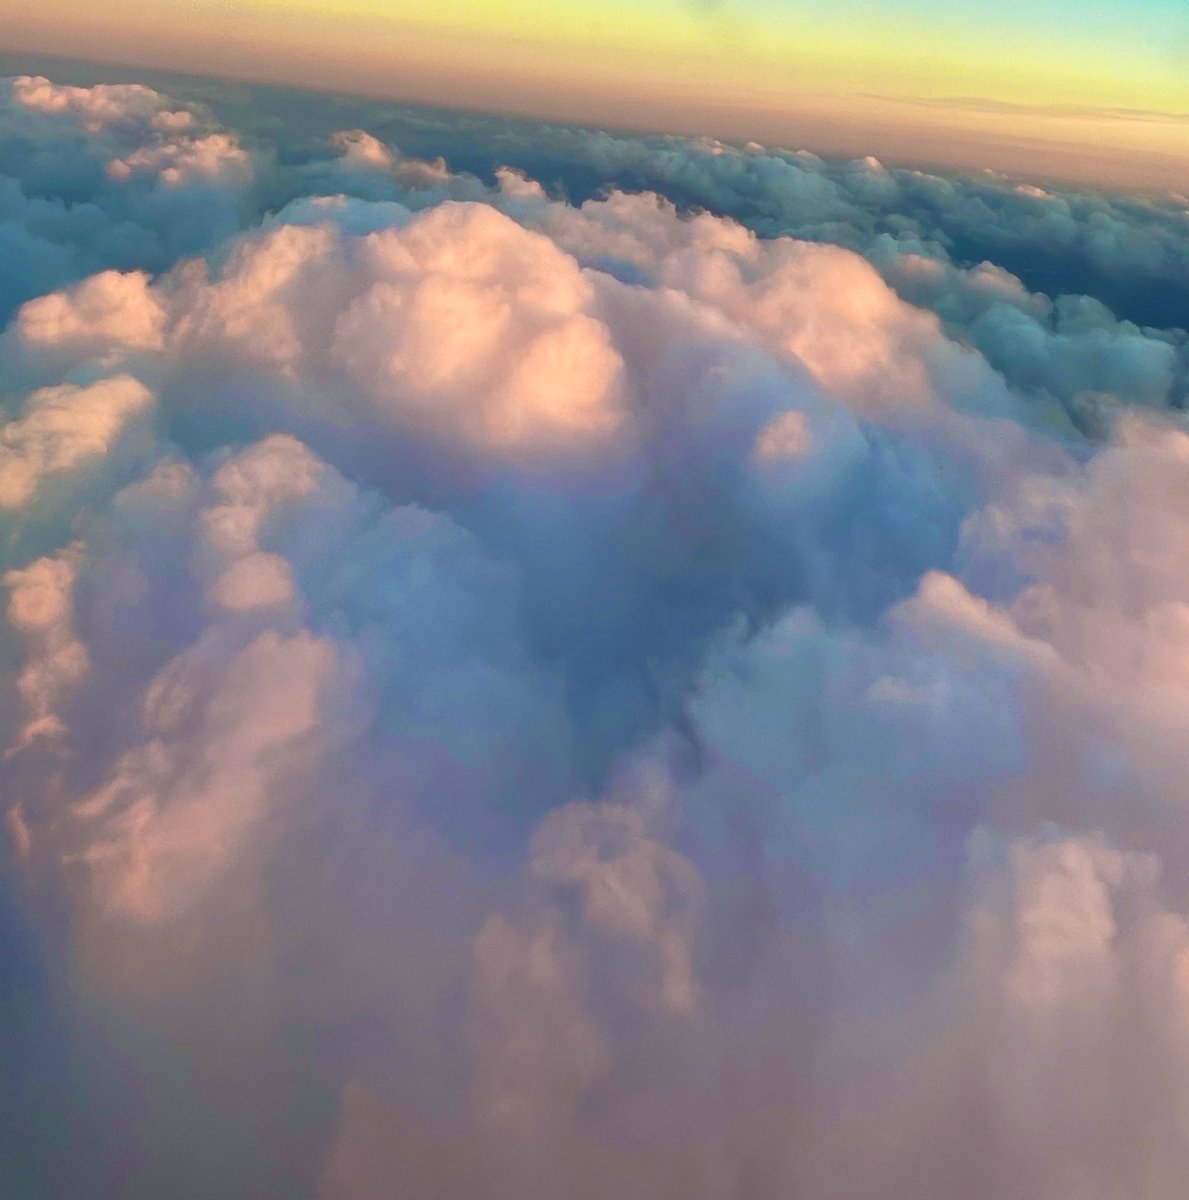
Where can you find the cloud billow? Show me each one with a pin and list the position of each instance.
(511, 696)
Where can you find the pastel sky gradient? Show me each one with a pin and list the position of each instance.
(1087, 89)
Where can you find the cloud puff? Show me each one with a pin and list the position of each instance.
(62, 427)
(937, 240)
(505, 696)
(108, 176)
(96, 108)
(41, 610)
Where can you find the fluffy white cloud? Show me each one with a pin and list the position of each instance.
(98, 107)
(108, 176)
(62, 428)
(361, 149)
(110, 310)
(510, 697)
(217, 156)
(41, 610)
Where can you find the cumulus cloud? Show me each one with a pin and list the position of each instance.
(938, 240)
(506, 695)
(41, 609)
(62, 427)
(98, 107)
(108, 176)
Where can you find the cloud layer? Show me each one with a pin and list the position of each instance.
(506, 695)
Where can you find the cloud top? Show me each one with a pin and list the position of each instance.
(649, 693)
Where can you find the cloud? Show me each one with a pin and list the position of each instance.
(360, 148)
(98, 107)
(109, 176)
(41, 609)
(510, 695)
(62, 427)
(1077, 111)
(1127, 253)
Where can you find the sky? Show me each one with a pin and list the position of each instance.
(1095, 90)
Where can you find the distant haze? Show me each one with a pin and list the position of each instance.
(1021, 87)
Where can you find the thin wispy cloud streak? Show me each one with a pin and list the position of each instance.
(1085, 111)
